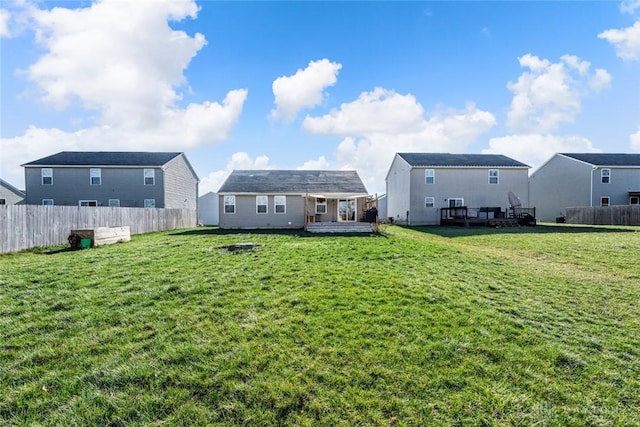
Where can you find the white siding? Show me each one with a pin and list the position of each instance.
(398, 187)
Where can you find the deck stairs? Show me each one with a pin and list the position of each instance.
(339, 227)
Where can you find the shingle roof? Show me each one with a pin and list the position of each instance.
(606, 159)
(293, 181)
(463, 160)
(104, 158)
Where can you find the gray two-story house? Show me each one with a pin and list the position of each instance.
(420, 185)
(108, 178)
(584, 179)
(290, 198)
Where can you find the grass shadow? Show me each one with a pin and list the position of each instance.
(449, 231)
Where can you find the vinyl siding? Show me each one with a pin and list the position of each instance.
(398, 190)
(72, 184)
(180, 185)
(246, 216)
(558, 184)
(622, 181)
(10, 197)
(470, 184)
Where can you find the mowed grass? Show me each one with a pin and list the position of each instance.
(430, 326)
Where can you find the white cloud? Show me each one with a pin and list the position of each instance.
(534, 149)
(382, 122)
(4, 23)
(626, 41)
(304, 89)
(550, 93)
(634, 141)
(239, 160)
(318, 164)
(379, 111)
(122, 62)
(629, 6)
(601, 79)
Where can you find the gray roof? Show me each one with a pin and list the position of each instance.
(462, 160)
(293, 181)
(606, 159)
(104, 158)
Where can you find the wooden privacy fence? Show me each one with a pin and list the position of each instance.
(604, 215)
(31, 226)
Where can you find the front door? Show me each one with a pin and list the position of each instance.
(347, 210)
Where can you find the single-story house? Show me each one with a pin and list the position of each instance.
(290, 198)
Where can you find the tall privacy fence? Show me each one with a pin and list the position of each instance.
(605, 215)
(30, 226)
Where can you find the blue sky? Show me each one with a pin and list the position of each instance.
(317, 85)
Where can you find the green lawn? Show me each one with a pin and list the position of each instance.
(431, 326)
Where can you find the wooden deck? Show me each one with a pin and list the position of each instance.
(481, 222)
(491, 217)
(340, 227)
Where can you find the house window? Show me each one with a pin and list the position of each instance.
(280, 204)
(114, 203)
(229, 204)
(429, 176)
(261, 204)
(96, 176)
(149, 177)
(605, 176)
(149, 203)
(88, 203)
(3, 202)
(634, 200)
(429, 202)
(321, 205)
(47, 202)
(604, 201)
(47, 176)
(493, 176)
